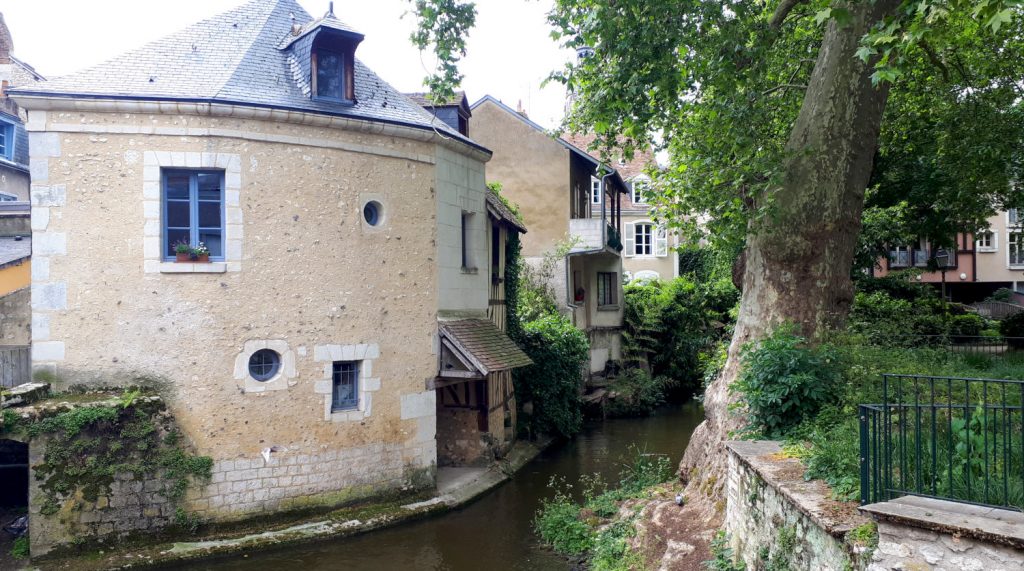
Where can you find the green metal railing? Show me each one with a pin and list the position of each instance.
(950, 438)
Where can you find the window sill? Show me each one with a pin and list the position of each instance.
(466, 270)
(189, 268)
(608, 307)
(354, 415)
(987, 250)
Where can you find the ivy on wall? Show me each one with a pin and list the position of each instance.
(88, 446)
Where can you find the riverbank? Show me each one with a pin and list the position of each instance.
(456, 487)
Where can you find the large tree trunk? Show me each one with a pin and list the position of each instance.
(797, 262)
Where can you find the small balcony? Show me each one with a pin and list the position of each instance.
(593, 234)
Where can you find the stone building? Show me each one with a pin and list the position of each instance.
(554, 182)
(349, 237)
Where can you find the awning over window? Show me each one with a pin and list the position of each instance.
(473, 348)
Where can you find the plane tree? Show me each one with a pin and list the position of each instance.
(774, 116)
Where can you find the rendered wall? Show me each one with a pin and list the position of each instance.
(305, 275)
(534, 172)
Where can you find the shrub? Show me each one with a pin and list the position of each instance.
(637, 393)
(559, 525)
(1002, 294)
(552, 384)
(1013, 327)
(785, 381)
(967, 325)
(669, 325)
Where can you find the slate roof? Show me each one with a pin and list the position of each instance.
(502, 212)
(237, 58)
(12, 251)
(485, 344)
(423, 100)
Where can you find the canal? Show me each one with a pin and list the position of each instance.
(494, 532)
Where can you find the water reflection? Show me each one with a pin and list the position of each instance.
(494, 532)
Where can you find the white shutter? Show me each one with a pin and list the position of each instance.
(661, 242)
(629, 239)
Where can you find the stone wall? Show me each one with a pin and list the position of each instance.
(294, 481)
(774, 518)
(16, 318)
(460, 442)
(129, 506)
(924, 533)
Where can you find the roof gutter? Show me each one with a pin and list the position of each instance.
(42, 101)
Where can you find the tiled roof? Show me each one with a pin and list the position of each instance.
(497, 207)
(485, 344)
(236, 58)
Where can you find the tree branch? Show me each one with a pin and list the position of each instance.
(782, 11)
(934, 58)
(783, 86)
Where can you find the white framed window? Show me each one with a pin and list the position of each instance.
(639, 186)
(643, 239)
(899, 257)
(348, 384)
(595, 190)
(986, 241)
(1015, 249)
(646, 239)
(1012, 217)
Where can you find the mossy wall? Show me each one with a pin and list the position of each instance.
(102, 468)
(767, 530)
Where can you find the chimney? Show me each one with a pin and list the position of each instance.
(6, 43)
(520, 110)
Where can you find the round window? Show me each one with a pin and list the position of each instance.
(264, 364)
(372, 213)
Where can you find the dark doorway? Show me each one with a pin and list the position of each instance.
(14, 474)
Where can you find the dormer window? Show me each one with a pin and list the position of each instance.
(330, 75)
(324, 53)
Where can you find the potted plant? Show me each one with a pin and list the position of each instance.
(201, 254)
(182, 252)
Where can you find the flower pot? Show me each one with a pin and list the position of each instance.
(202, 259)
(178, 257)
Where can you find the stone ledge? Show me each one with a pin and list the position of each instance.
(786, 476)
(1003, 527)
(186, 268)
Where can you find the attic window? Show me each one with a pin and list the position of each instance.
(333, 60)
(330, 75)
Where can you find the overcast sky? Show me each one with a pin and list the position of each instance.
(510, 49)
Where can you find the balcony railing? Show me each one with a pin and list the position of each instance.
(949, 438)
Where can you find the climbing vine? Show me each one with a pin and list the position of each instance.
(89, 446)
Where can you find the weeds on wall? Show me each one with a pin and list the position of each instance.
(89, 446)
